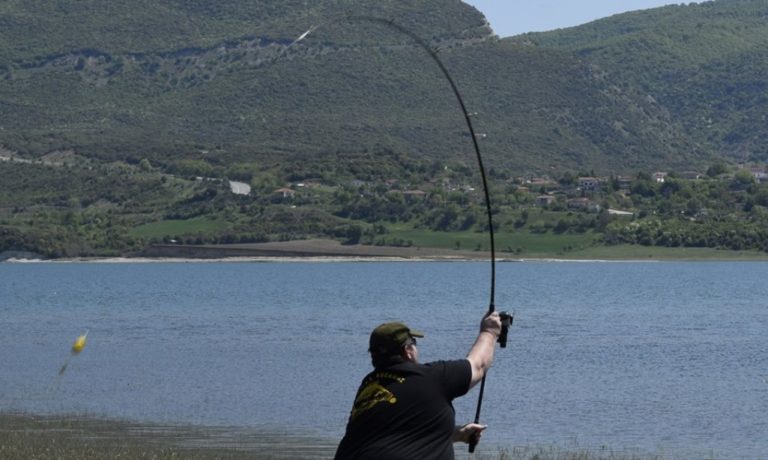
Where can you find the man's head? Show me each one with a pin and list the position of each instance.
(393, 342)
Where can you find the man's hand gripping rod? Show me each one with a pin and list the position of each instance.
(506, 322)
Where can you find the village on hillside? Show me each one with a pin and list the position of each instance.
(574, 193)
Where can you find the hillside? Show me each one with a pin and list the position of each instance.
(169, 82)
(121, 126)
(706, 63)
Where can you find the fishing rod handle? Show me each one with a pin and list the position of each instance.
(506, 323)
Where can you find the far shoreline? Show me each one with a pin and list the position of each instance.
(324, 251)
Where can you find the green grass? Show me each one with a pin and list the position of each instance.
(565, 246)
(635, 252)
(178, 227)
(541, 245)
(431, 239)
(25, 436)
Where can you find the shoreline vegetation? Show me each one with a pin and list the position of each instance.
(42, 437)
(331, 250)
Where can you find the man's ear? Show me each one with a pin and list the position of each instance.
(404, 353)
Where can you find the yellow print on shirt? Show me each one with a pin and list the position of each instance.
(372, 393)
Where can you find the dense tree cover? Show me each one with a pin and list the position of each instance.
(88, 208)
(704, 62)
(182, 82)
(719, 212)
(50, 27)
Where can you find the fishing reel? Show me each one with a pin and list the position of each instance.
(506, 323)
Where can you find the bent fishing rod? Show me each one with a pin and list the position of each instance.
(432, 52)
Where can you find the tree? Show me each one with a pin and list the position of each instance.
(669, 187)
(693, 207)
(353, 234)
(717, 169)
(744, 177)
(644, 188)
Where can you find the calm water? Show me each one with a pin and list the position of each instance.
(660, 357)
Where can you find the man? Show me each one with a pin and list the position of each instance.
(403, 409)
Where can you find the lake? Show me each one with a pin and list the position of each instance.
(662, 357)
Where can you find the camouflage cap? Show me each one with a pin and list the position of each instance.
(390, 337)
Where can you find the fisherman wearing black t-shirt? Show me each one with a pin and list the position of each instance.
(403, 409)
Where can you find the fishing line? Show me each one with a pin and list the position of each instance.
(432, 52)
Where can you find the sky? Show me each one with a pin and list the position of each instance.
(513, 17)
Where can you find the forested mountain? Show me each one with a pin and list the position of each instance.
(706, 63)
(121, 122)
(167, 80)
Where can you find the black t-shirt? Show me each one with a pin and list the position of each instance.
(405, 412)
